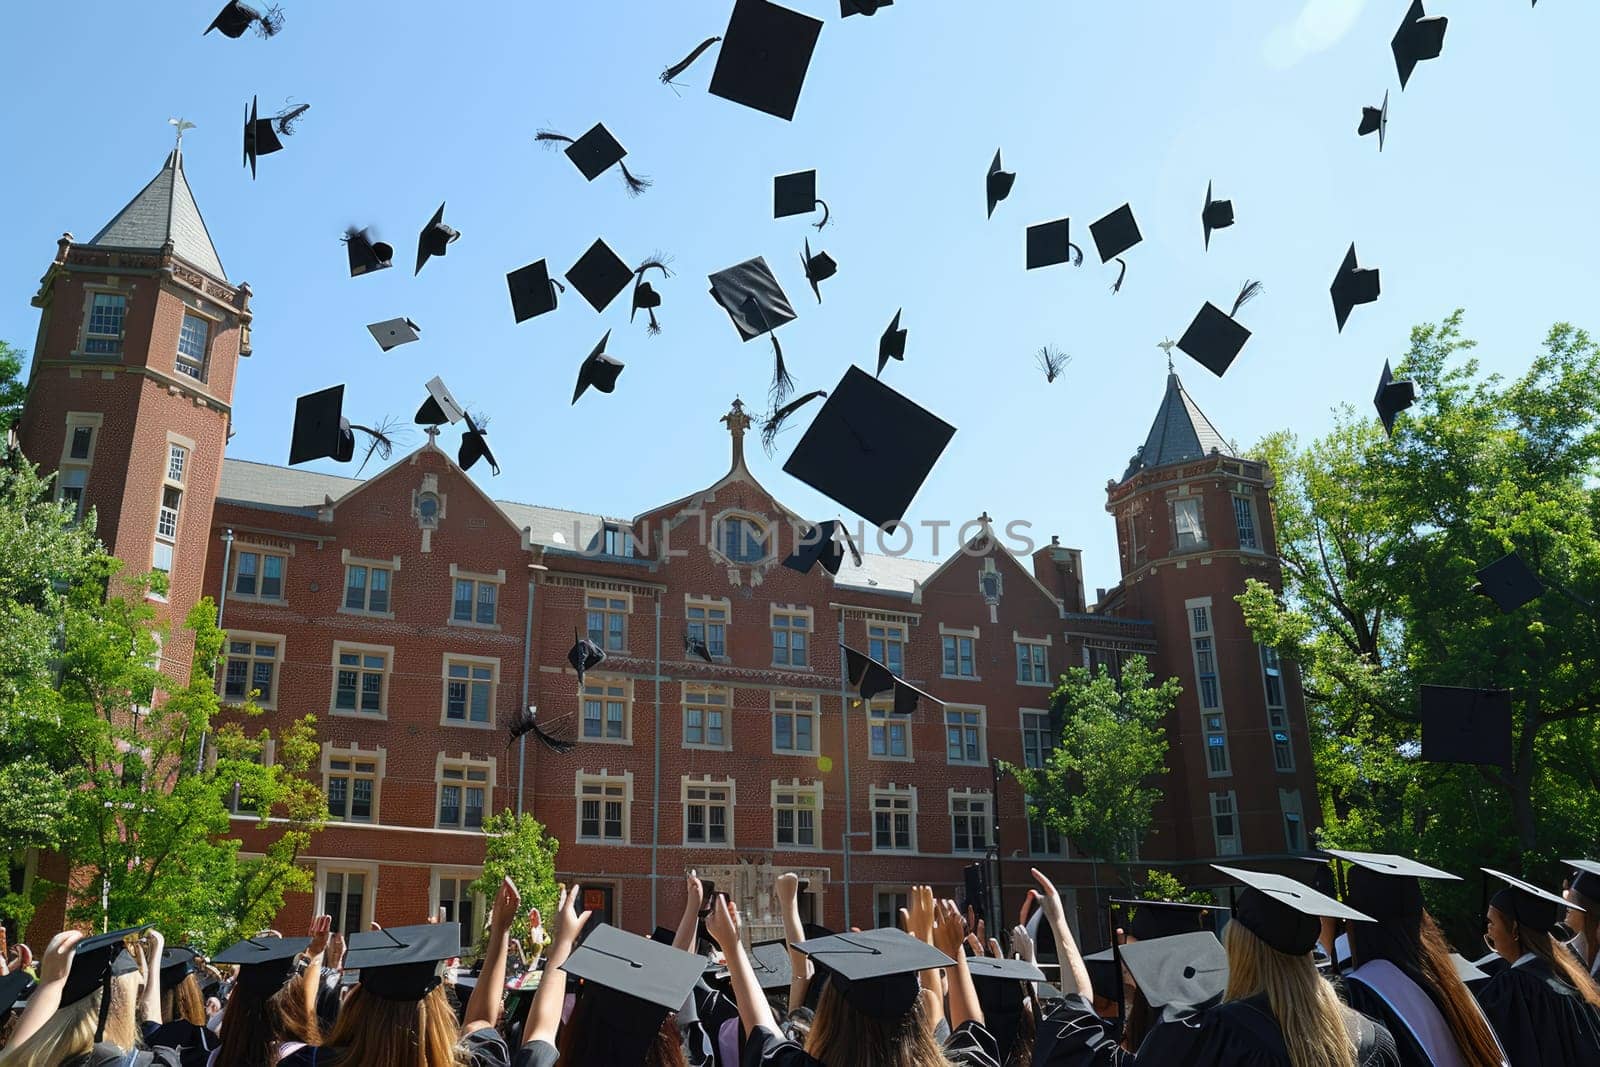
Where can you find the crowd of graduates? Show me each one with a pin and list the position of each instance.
(1297, 977)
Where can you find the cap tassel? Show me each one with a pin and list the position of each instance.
(381, 442)
(1247, 293)
(528, 722)
(824, 222)
(774, 422)
(635, 184)
(782, 383)
(269, 22)
(1052, 361)
(654, 329)
(669, 76)
(284, 120)
(657, 261)
(105, 1006)
(1116, 286)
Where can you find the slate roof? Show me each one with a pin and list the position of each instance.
(1181, 432)
(164, 208)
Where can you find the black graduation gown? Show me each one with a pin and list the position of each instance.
(484, 1048)
(193, 1043)
(1365, 1000)
(1541, 1020)
(969, 1045)
(536, 1054)
(105, 1054)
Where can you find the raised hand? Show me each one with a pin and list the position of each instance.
(568, 919)
(319, 932)
(507, 903)
(335, 951)
(787, 887)
(1023, 945)
(694, 894)
(974, 946)
(922, 915)
(949, 933)
(58, 956)
(723, 923)
(1048, 896)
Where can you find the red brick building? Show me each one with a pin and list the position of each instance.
(414, 615)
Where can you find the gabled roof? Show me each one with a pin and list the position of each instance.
(164, 209)
(1180, 433)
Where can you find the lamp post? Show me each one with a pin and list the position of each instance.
(222, 604)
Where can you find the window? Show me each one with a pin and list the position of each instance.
(789, 637)
(607, 711)
(1205, 669)
(603, 803)
(743, 540)
(464, 785)
(469, 690)
(963, 731)
(890, 734)
(352, 783)
(794, 725)
(1043, 840)
(344, 900)
(1032, 662)
(366, 587)
(1137, 548)
(795, 811)
(708, 622)
(251, 667)
(361, 679)
(167, 519)
(1207, 689)
(608, 622)
(80, 442)
(705, 717)
(177, 460)
(170, 507)
(1038, 740)
(1224, 824)
(969, 821)
(894, 819)
(460, 906)
(103, 337)
(886, 643)
(1244, 520)
(1108, 659)
(1293, 831)
(888, 903)
(958, 661)
(1186, 523)
(707, 813)
(474, 601)
(1277, 713)
(77, 456)
(192, 346)
(616, 541)
(70, 486)
(258, 574)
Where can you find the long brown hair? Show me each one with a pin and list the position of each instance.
(1588, 925)
(1537, 941)
(183, 1001)
(395, 1033)
(1421, 952)
(589, 1037)
(255, 1022)
(1308, 1014)
(842, 1035)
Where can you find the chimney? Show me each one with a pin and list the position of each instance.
(1060, 570)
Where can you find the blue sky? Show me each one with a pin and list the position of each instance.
(1483, 199)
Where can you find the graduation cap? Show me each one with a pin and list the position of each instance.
(644, 294)
(756, 303)
(1419, 37)
(1113, 235)
(1376, 120)
(595, 153)
(1050, 243)
(265, 963)
(875, 970)
(533, 291)
(1283, 912)
(366, 255)
(176, 965)
(1215, 338)
(1585, 878)
(1387, 886)
(1509, 582)
(868, 678)
(696, 647)
(1163, 918)
(892, 345)
(765, 53)
(869, 448)
(1526, 902)
(997, 184)
(862, 7)
(1179, 974)
(440, 408)
(1102, 968)
(1352, 286)
(599, 275)
(527, 721)
(15, 988)
(1466, 725)
(1471, 975)
(435, 239)
(796, 194)
(584, 655)
(322, 432)
(824, 543)
(1392, 398)
(638, 982)
(599, 370)
(819, 268)
(392, 333)
(403, 963)
(235, 18)
(662, 935)
(1216, 215)
(96, 961)
(1001, 988)
(263, 136)
(474, 445)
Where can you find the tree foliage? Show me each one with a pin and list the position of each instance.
(521, 847)
(13, 390)
(1164, 885)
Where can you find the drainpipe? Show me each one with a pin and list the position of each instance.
(527, 660)
(655, 794)
(222, 603)
(844, 729)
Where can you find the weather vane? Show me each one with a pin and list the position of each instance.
(1166, 346)
(182, 124)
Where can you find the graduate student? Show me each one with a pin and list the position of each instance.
(1543, 1007)
(182, 1023)
(270, 1011)
(1584, 915)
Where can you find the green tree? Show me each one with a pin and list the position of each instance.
(1098, 785)
(1379, 539)
(13, 389)
(1164, 885)
(519, 846)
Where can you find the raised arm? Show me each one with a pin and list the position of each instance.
(488, 996)
(544, 1014)
(46, 996)
(723, 926)
(949, 938)
(150, 995)
(689, 922)
(1074, 972)
(794, 932)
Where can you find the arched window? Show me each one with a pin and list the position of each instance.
(743, 539)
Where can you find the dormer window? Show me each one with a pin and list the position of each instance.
(743, 539)
(616, 540)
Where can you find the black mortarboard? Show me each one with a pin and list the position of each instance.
(1115, 233)
(862, 7)
(392, 333)
(1419, 37)
(1352, 286)
(869, 448)
(1392, 398)
(403, 963)
(1215, 338)
(320, 429)
(1216, 215)
(796, 194)
(176, 965)
(1509, 582)
(997, 185)
(868, 678)
(584, 655)
(533, 291)
(440, 408)
(1283, 912)
(1527, 903)
(663, 935)
(1387, 886)
(992, 968)
(819, 268)
(756, 303)
(1178, 974)
(999, 983)
(475, 445)
(824, 543)
(366, 255)
(262, 135)
(434, 240)
(770, 961)
(638, 980)
(1466, 725)
(15, 988)
(875, 970)
(1321, 877)
(1164, 918)
(1376, 120)
(765, 52)
(599, 275)
(645, 296)
(526, 721)
(599, 371)
(595, 153)
(1585, 878)
(97, 960)
(1050, 243)
(235, 18)
(265, 963)
(892, 345)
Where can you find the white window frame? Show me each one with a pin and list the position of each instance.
(957, 635)
(261, 553)
(1290, 805)
(975, 804)
(254, 640)
(613, 605)
(705, 605)
(352, 753)
(165, 549)
(899, 897)
(766, 538)
(605, 682)
(1038, 649)
(369, 893)
(881, 636)
(698, 696)
(363, 651)
(391, 565)
(794, 794)
(183, 363)
(893, 795)
(796, 706)
(881, 713)
(1180, 502)
(78, 468)
(1026, 725)
(981, 728)
(468, 765)
(497, 580)
(690, 786)
(1250, 516)
(463, 877)
(605, 780)
(1201, 617)
(1226, 804)
(473, 665)
(87, 337)
(789, 613)
(1277, 710)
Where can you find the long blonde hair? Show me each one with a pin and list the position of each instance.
(841, 1036)
(70, 1031)
(1308, 1013)
(395, 1033)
